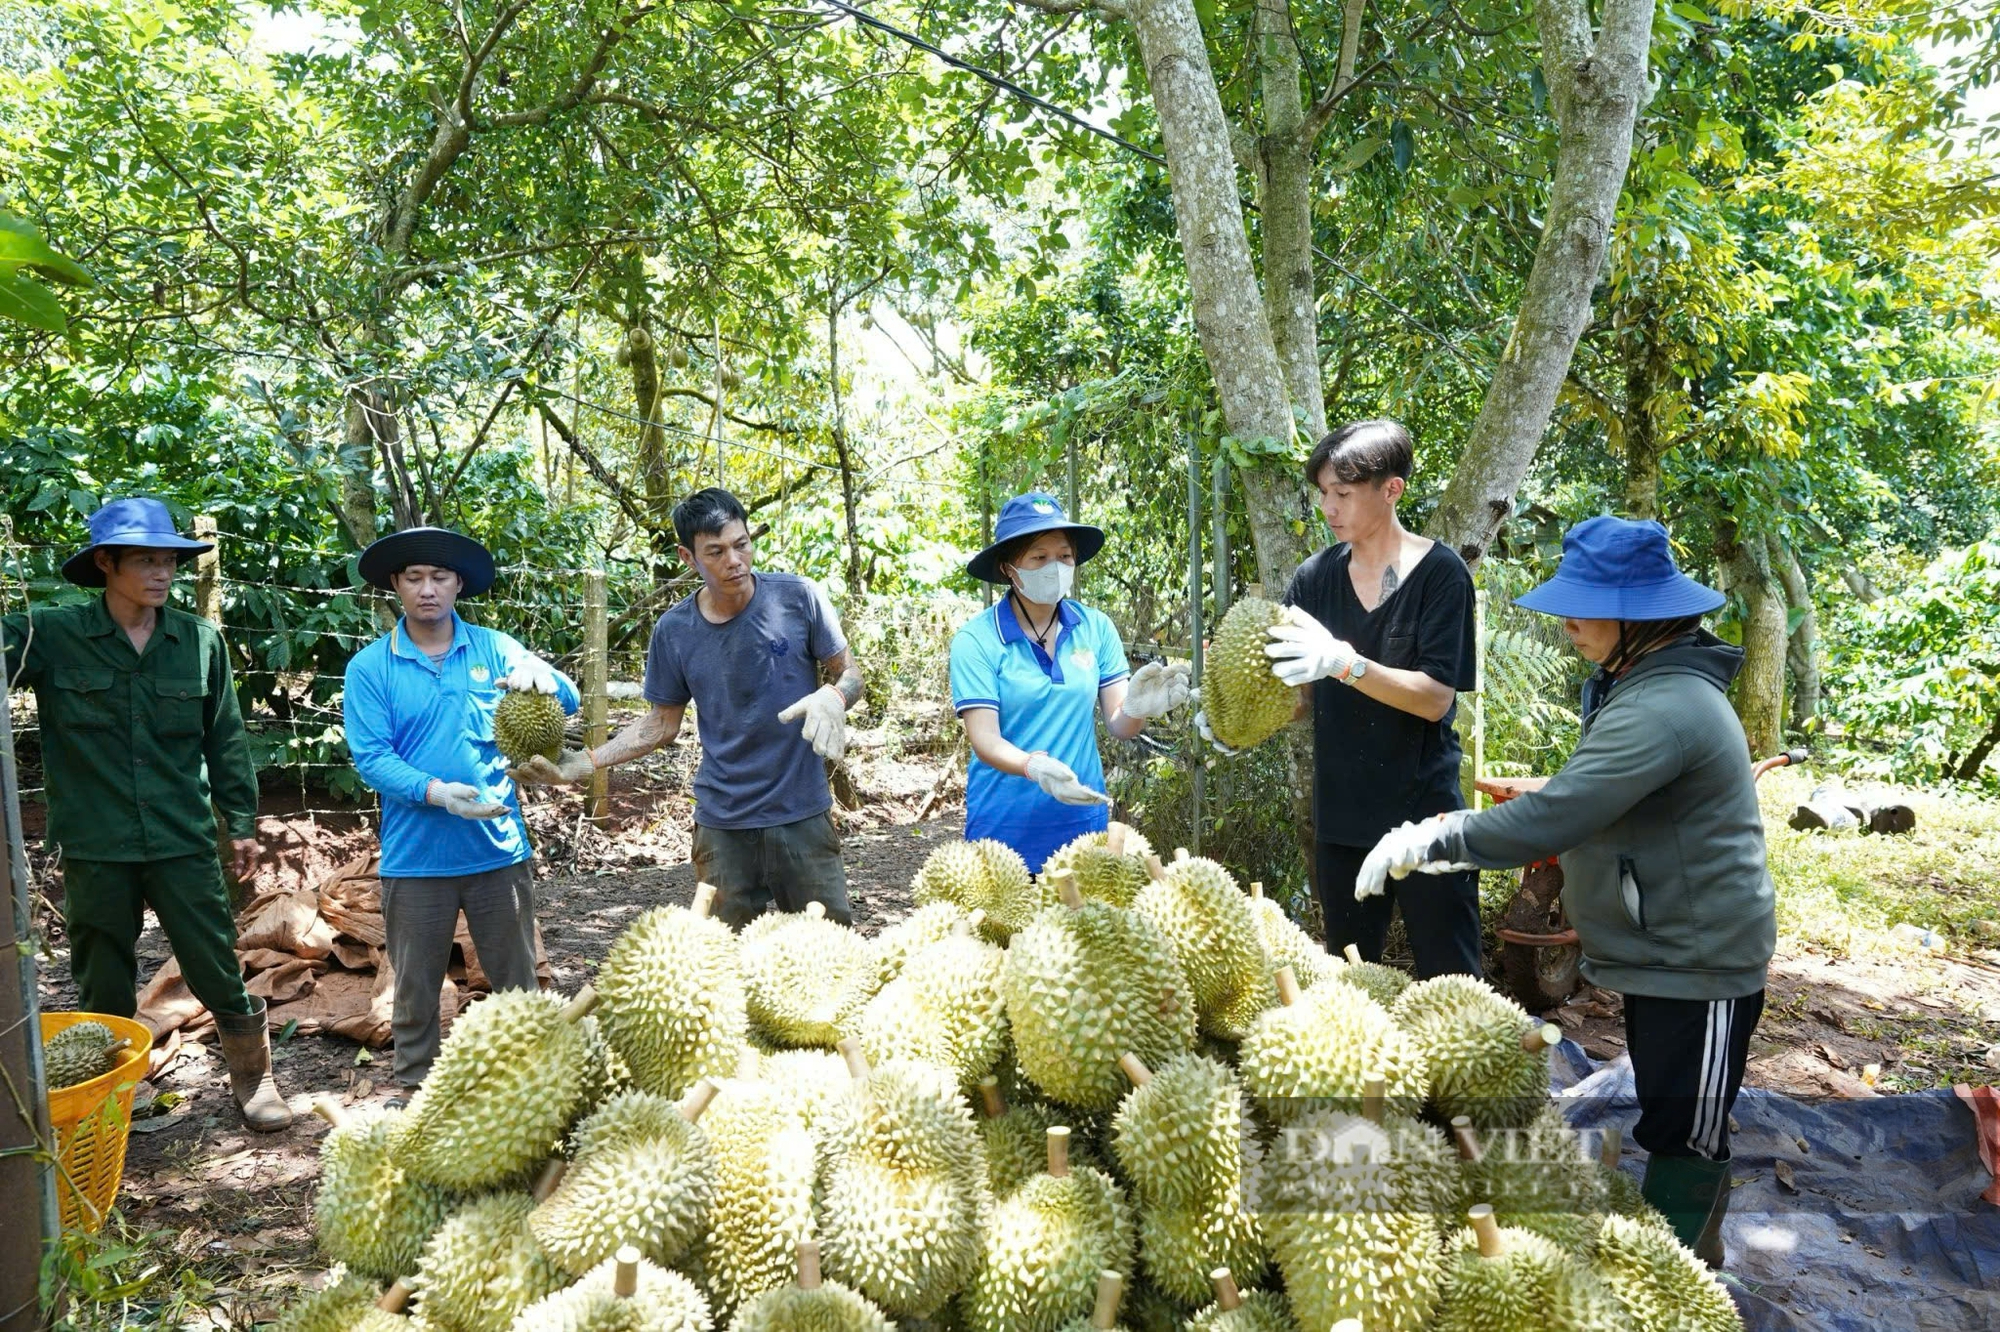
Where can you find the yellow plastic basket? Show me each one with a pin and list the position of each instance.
(92, 1122)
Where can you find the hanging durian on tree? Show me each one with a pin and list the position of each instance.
(1047, 1246)
(1316, 1049)
(672, 997)
(798, 969)
(1487, 1058)
(1109, 866)
(811, 1304)
(1246, 704)
(984, 876)
(641, 1172)
(370, 1214)
(1213, 930)
(525, 724)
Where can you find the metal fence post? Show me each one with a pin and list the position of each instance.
(208, 573)
(1194, 619)
(596, 682)
(1478, 694)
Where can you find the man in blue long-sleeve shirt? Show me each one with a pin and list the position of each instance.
(419, 713)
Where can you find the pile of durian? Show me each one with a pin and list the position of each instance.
(1122, 1094)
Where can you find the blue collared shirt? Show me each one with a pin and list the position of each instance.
(1046, 701)
(409, 720)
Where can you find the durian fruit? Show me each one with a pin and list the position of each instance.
(1016, 1138)
(1213, 930)
(1621, 1192)
(763, 1203)
(1317, 1047)
(370, 1214)
(1239, 1311)
(526, 724)
(811, 1304)
(1181, 1138)
(1146, 1309)
(624, 1293)
(797, 966)
(1103, 1315)
(1486, 1056)
(815, 1080)
(1246, 704)
(505, 1087)
(1540, 1178)
(1287, 945)
(672, 997)
(1344, 1228)
(984, 876)
(897, 944)
(1086, 983)
(1659, 1283)
(944, 1009)
(483, 1266)
(80, 1052)
(350, 1304)
(903, 1191)
(1516, 1281)
(1381, 983)
(641, 1173)
(1046, 1247)
(1109, 866)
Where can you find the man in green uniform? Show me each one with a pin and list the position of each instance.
(140, 732)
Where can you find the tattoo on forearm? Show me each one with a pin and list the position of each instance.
(1390, 581)
(849, 685)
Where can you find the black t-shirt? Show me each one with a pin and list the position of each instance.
(1375, 766)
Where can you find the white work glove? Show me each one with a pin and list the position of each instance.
(1435, 846)
(1302, 650)
(1057, 779)
(1156, 689)
(825, 726)
(571, 767)
(462, 799)
(1203, 729)
(531, 675)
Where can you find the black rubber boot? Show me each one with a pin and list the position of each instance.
(1708, 1245)
(1691, 1192)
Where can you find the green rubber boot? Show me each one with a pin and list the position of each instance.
(1688, 1191)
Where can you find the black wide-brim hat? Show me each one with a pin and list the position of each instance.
(472, 562)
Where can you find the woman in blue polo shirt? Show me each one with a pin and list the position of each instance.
(1028, 677)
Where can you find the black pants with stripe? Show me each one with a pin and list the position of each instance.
(1687, 1065)
(1440, 914)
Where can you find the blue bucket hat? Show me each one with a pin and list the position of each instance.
(1619, 569)
(438, 546)
(1031, 514)
(127, 522)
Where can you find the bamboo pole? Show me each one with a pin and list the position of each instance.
(596, 683)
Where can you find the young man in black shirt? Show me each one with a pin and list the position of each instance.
(1382, 632)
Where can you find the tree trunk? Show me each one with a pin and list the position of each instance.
(1229, 310)
(1284, 198)
(1646, 370)
(360, 444)
(847, 503)
(1802, 647)
(656, 472)
(1760, 688)
(1597, 86)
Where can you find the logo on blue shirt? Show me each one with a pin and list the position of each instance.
(781, 647)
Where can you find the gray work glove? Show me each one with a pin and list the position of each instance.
(1156, 689)
(462, 799)
(1058, 779)
(1435, 846)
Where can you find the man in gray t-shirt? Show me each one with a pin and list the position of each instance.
(747, 650)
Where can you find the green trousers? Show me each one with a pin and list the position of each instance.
(104, 905)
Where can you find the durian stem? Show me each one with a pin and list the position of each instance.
(1256, 887)
(1114, 838)
(1110, 1290)
(1540, 1037)
(990, 1098)
(579, 1008)
(551, 1176)
(704, 900)
(1066, 889)
(857, 1062)
(1288, 986)
(970, 925)
(396, 1297)
(1353, 955)
(1346, 1325)
(1462, 1137)
(1227, 1296)
(1611, 1148)
(332, 1111)
(1155, 868)
(698, 1098)
(1180, 854)
(1491, 1245)
(625, 1277)
(817, 910)
(747, 1064)
(1374, 1090)
(808, 1264)
(1059, 1152)
(1135, 1069)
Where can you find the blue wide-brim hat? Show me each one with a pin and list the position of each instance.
(386, 558)
(1031, 514)
(143, 523)
(1619, 569)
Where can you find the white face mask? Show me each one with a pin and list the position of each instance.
(1047, 585)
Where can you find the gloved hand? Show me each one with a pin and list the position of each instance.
(1302, 649)
(1156, 689)
(572, 767)
(825, 728)
(462, 799)
(1202, 728)
(1057, 779)
(531, 675)
(1435, 846)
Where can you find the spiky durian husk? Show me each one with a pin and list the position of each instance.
(641, 1174)
(370, 1214)
(1245, 703)
(1539, 1178)
(1470, 1035)
(1623, 1198)
(605, 1071)
(1383, 984)
(1180, 1138)
(672, 1000)
(1318, 1053)
(1533, 1285)
(1100, 875)
(1043, 1253)
(1261, 1311)
(1208, 920)
(506, 1085)
(1084, 987)
(1289, 946)
(896, 945)
(1178, 1248)
(1017, 1144)
(828, 1307)
(1146, 1309)
(78, 1053)
(526, 724)
(797, 970)
(945, 1009)
(984, 876)
(482, 1266)
(665, 1301)
(1662, 1286)
(815, 1080)
(348, 1305)
(763, 1202)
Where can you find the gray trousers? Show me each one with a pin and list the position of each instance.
(420, 916)
(780, 868)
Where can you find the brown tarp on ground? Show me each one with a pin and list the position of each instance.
(316, 956)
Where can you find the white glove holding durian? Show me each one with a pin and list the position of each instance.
(531, 675)
(1058, 779)
(1302, 650)
(825, 721)
(1435, 846)
(1156, 689)
(462, 799)
(1202, 727)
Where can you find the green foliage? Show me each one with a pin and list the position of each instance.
(122, 1277)
(24, 258)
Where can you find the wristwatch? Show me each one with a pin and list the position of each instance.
(1357, 670)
